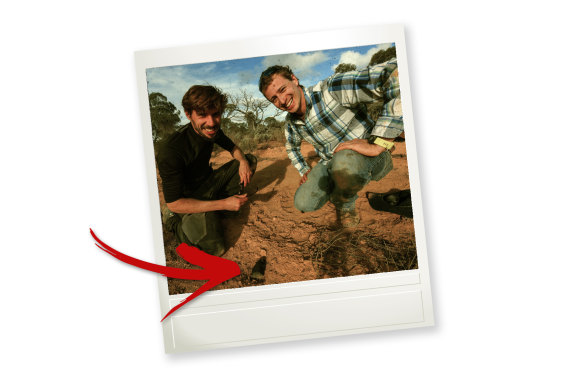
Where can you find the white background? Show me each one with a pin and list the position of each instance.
(497, 94)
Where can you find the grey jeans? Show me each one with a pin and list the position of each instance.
(340, 180)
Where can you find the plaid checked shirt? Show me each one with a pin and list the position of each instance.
(336, 112)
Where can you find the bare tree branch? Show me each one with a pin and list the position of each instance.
(245, 107)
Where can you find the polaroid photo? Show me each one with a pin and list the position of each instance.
(297, 161)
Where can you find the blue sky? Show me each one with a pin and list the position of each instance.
(233, 76)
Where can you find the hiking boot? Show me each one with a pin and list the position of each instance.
(349, 218)
(394, 201)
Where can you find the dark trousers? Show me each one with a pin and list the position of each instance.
(204, 230)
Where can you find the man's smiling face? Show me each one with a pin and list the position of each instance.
(286, 94)
(205, 124)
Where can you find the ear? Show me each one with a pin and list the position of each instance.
(188, 115)
(295, 80)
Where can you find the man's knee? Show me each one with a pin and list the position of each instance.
(348, 169)
(303, 204)
(203, 230)
(216, 247)
(309, 201)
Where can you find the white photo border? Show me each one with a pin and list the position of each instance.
(298, 310)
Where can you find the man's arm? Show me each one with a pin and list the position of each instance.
(171, 167)
(376, 83)
(293, 142)
(363, 147)
(186, 205)
(244, 168)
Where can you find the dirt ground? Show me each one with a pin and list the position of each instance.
(299, 246)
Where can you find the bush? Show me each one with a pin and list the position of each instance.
(248, 140)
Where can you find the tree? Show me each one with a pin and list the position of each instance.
(244, 107)
(164, 116)
(272, 122)
(275, 129)
(345, 67)
(382, 56)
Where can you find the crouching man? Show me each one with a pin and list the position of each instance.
(193, 191)
(332, 116)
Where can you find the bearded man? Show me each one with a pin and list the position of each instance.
(193, 191)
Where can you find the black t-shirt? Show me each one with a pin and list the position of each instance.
(183, 161)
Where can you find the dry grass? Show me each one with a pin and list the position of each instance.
(333, 253)
(345, 252)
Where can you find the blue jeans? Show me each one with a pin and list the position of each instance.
(340, 180)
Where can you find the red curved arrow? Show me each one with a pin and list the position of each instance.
(214, 269)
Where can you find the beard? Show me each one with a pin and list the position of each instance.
(207, 132)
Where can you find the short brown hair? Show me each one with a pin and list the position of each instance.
(202, 98)
(269, 73)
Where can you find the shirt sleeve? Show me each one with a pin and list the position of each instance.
(223, 141)
(293, 142)
(171, 169)
(375, 83)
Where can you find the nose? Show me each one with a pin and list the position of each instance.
(211, 120)
(281, 100)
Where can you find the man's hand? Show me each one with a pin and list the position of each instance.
(244, 172)
(235, 202)
(362, 147)
(304, 178)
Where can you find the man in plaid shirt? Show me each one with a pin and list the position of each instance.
(332, 116)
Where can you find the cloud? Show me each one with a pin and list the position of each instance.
(357, 59)
(301, 64)
(247, 77)
(174, 81)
